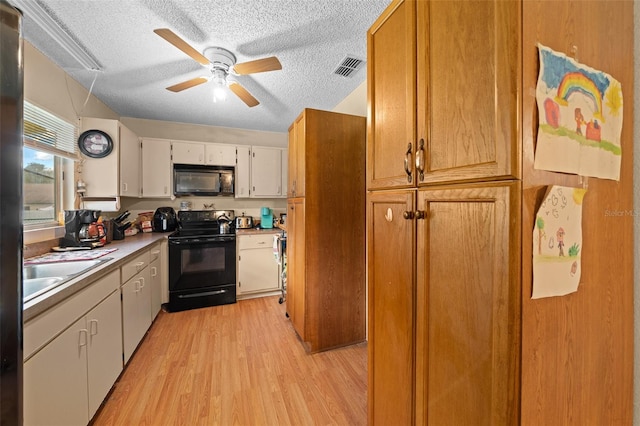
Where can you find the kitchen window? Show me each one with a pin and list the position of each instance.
(49, 151)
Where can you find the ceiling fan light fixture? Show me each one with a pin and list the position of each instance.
(219, 77)
(219, 93)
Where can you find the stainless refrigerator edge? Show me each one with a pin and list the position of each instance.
(11, 130)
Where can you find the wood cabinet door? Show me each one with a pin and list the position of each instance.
(55, 380)
(297, 146)
(391, 267)
(156, 168)
(468, 90)
(392, 93)
(284, 177)
(468, 298)
(296, 282)
(104, 323)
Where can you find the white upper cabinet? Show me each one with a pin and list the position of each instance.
(129, 163)
(266, 172)
(156, 168)
(220, 154)
(213, 154)
(243, 171)
(187, 152)
(117, 173)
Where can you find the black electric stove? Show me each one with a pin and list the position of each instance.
(202, 266)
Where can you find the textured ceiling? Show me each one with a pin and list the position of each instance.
(309, 37)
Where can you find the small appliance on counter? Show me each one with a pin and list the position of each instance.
(244, 222)
(165, 220)
(82, 229)
(224, 224)
(266, 218)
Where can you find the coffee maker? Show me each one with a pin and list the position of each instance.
(82, 229)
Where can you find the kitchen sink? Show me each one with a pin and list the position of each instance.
(42, 277)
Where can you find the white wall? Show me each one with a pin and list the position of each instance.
(355, 103)
(193, 132)
(49, 87)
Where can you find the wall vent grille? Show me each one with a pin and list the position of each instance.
(348, 66)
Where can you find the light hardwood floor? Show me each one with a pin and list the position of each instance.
(239, 364)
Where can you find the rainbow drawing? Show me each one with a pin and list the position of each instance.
(576, 82)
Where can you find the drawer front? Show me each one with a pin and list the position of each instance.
(135, 266)
(255, 241)
(45, 327)
(154, 253)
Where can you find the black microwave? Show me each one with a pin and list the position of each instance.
(192, 179)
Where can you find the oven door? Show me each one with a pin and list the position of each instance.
(202, 272)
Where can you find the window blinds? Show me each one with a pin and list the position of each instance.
(45, 132)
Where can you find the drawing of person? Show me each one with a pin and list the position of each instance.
(560, 238)
(579, 121)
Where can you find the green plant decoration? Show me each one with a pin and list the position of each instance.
(574, 250)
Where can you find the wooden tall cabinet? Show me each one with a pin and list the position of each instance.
(454, 336)
(326, 229)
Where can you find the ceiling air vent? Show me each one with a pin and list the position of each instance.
(348, 66)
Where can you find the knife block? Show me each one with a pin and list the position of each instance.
(117, 234)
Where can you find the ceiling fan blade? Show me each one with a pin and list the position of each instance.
(243, 94)
(187, 84)
(259, 65)
(173, 38)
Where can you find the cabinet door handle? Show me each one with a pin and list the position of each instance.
(418, 214)
(407, 162)
(93, 327)
(261, 242)
(137, 286)
(420, 160)
(124, 187)
(155, 252)
(139, 266)
(82, 337)
(142, 280)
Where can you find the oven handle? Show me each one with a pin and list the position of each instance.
(202, 241)
(206, 293)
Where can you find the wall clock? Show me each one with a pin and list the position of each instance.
(95, 143)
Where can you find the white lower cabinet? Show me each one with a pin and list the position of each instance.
(136, 310)
(156, 287)
(257, 270)
(67, 379)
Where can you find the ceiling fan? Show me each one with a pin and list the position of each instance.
(221, 62)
